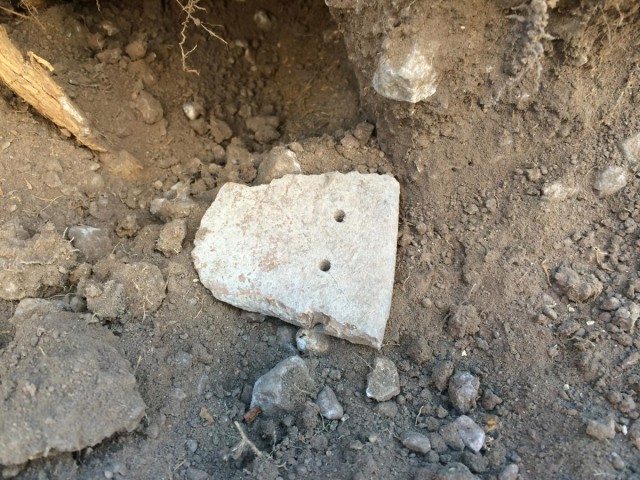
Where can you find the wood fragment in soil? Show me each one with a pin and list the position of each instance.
(30, 80)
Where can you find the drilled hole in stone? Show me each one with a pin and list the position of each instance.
(339, 216)
(325, 265)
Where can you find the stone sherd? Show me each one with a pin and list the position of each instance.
(316, 251)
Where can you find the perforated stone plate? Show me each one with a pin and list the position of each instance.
(313, 250)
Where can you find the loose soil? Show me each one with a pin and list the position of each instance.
(510, 265)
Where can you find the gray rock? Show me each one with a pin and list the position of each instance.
(577, 288)
(441, 374)
(311, 341)
(220, 130)
(329, 405)
(280, 161)
(463, 391)
(383, 382)
(363, 132)
(510, 472)
(454, 471)
(282, 389)
(149, 107)
(405, 69)
(171, 237)
(604, 429)
(557, 192)
(304, 255)
(416, 442)
(70, 389)
(463, 432)
(93, 243)
(610, 180)
(631, 148)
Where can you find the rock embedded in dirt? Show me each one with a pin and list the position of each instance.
(610, 180)
(65, 386)
(416, 442)
(604, 429)
(363, 132)
(171, 237)
(463, 432)
(463, 320)
(441, 374)
(383, 382)
(463, 391)
(283, 388)
(405, 70)
(305, 255)
(149, 107)
(93, 243)
(577, 288)
(557, 192)
(510, 472)
(631, 148)
(311, 341)
(330, 407)
(280, 161)
(220, 130)
(33, 267)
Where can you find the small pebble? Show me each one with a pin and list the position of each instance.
(604, 429)
(329, 405)
(463, 391)
(416, 442)
(383, 382)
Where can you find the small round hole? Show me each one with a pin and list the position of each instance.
(339, 216)
(325, 265)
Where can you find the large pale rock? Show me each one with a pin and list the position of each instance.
(313, 250)
(405, 69)
(65, 385)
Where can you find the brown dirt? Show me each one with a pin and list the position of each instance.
(477, 229)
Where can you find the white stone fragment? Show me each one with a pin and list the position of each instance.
(405, 69)
(315, 251)
(610, 180)
(631, 148)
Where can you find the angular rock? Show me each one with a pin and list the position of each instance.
(149, 107)
(416, 442)
(310, 341)
(65, 386)
(329, 405)
(280, 161)
(174, 204)
(93, 243)
(405, 69)
(171, 237)
(282, 389)
(300, 249)
(463, 391)
(610, 180)
(463, 432)
(383, 382)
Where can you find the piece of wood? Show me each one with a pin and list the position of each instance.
(30, 79)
